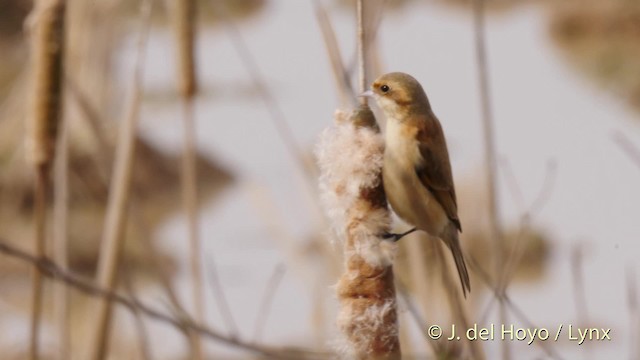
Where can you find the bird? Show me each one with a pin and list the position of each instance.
(416, 171)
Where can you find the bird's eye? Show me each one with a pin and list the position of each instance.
(384, 88)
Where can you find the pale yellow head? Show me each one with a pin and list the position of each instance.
(399, 94)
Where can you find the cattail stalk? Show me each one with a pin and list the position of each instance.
(117, 206)
(185, 28)
(350, 157)
(47, 42)
(362, 58)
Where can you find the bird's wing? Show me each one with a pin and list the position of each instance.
(434, 169)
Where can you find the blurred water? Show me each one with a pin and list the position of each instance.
(543, 111)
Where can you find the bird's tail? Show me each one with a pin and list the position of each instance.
(452, 241)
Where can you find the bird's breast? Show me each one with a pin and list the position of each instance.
(408, 197)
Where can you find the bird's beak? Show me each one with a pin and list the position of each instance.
(367, 93)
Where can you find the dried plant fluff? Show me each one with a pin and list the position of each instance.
(350, 159)
(361, 324)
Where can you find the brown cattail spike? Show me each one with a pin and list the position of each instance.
(185, 24)
(47, 43)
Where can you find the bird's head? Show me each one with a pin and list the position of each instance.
(398, 94)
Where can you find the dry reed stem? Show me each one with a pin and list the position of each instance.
(632, 303)
(60, 237)
(267, 300)
(47, 43)
(517, 312)
(39, 216)
(419, 276)
(143, 336)
(579, 293)
(160, 270)
(221, 300)
(340, 74)
(185, 28)
(297, 262)
(362, 52)
(628, 147)
(190, 202)
(276, 113)
(455, 301)
(490, 161)
(115, 219)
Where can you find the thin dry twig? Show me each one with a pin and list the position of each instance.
(517, 251)
(189, 178)
(157, 265)
(628, 147)
(415, 314)
(340, 74)
(495, 227)
(115, 221)
(419, 275)
(60, 236)
(579, 294)
(185, 27)
(267, 300)
(49, 268)
(143, 336)
(632, 301)
(486, 278)
(277, 115)
(39, 216)
(362, 51)
(221, 300)
(455, 301)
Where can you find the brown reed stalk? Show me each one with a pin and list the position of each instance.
(47, 43)
(455, 302)
(60, 236)
(340, 74)
(495, 229)
(185, 28)
(419, 274)
(116, 213)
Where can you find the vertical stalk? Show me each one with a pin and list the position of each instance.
(117, 206)
(185, 27)
(362, 65)
(490, 161)
(39, 215)
(47, 42)
(60, 236)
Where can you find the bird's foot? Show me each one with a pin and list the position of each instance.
(395, 237)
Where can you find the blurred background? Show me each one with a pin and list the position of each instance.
(565, 91)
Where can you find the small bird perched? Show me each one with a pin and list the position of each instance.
(416, 172)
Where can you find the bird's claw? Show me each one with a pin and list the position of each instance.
(391, 236)
(395, 237)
